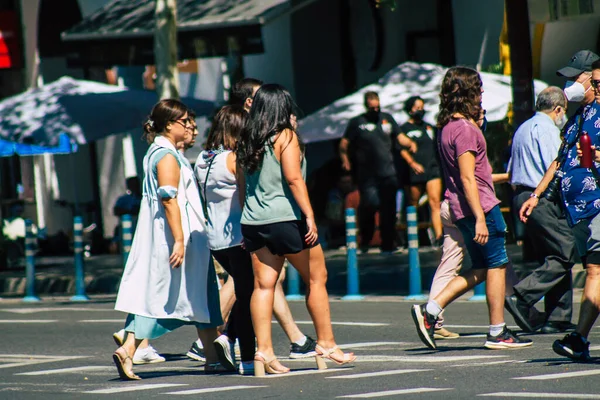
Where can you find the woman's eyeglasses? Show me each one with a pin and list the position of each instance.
(596, 83)
(184, 122)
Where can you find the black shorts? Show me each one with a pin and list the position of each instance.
(280, 237)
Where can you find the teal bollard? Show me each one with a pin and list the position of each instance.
(30, 296)
(414, 265)
(78, 249)
(479, 293)
(353, 277)
(126, 236)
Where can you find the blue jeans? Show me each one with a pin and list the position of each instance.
(493, 253)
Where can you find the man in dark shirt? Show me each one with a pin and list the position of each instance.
(367, 145)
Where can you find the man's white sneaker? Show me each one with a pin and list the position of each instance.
(147, 356)
(225, 352)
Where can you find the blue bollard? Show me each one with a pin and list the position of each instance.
(414, 266)
(126, 236)
(293, 284)
(78, 249)
(479, 294)
(30, 263)
(353, 284)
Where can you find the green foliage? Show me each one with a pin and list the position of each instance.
(495, 68)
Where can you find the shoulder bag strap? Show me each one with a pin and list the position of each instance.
(203, 191)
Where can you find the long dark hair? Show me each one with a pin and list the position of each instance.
(227, 127)
(270, 114)
(163, 112)
(460, 93)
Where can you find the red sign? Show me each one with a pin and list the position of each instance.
(10, 41)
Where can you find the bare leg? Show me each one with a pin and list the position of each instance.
(131, 344)
(415, 191)
(207, 337)
(227, 299)
(495, 292)
(434, 194)
(282, 312)
(591, 300)
(267, 267)
(460, 285)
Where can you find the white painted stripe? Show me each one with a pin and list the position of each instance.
(351, 245)
(412, 359)
(344, 323)
(351, 231)
(94, 321)
(478, 326)
(411, 217)
(30, 240)
(216, 389)
(134, 388)
(67, 370)
(127, 236)
(413, 244)
(306, 372)
(27, 321)
(126, 249)
(490, 363)
(78, 250)
(32, 310)
(392, 393)
(126, 224)
(78, 226)
(29, 253)
(412, 230)
(560, 375)
(373, 344)
(380, 373)
(533, 395)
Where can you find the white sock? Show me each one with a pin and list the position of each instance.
(301, 342)
(199, 343)
(495, 330)
(433, 308)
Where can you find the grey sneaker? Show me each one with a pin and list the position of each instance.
(196, 352)
(304, 351)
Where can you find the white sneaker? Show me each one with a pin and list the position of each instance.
(147, 356)
(225, 352)
(246, 368)
(119, 337)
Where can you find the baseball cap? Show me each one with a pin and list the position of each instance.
(580, 62)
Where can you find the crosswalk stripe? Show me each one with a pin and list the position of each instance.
(28, 321)
(380, 373)
(33, 310)
(534, 395)
(559, 375)
(416, 359)
(392, 393)
(343, 323)
(133, 388)
(373, 344)
(214, 390)
(486, 327)
(489, 363)
(306, 372)
(67, 370)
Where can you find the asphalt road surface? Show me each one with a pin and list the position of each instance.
(61, 350)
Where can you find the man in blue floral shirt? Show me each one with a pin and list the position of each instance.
(580, 193)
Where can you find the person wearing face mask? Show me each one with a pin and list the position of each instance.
(579, 196)
(368, 142)
(534, 147)
(424, 171)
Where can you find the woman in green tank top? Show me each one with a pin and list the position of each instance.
(278, 223)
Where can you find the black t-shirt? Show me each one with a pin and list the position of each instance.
(371, 146)
(424, 136)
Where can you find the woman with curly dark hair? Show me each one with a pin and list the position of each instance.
(278, 223)
(474, 208)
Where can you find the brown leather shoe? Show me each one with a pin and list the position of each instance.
(444, 334)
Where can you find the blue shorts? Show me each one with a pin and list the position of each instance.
(493, 253)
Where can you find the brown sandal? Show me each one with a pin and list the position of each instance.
(120, 361)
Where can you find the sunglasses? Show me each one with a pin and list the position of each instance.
(183, 122)
(596, 83)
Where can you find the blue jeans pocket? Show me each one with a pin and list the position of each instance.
(495, 222)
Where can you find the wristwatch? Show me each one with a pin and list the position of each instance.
(534, 195)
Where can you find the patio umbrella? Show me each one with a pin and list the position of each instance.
(405, 80)
(85, 110)
(8, 149)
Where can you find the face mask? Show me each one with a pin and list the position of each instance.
(575, 91)
(418, 115)
(372, 115)
(560, 122)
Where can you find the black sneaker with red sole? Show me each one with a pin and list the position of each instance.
(507, 339)
(425, 324)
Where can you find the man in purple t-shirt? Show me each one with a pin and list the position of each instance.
(474, 209)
